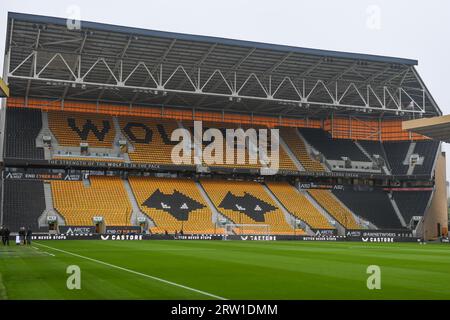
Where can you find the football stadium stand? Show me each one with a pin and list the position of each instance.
(23, 204)
(333, 149)
(328, 202)
(80, 201)
(298, 205)
(411, 203)
(173, 205)
(22, 128)
(71, 129)
(246, 202)
(71, 137)
(150, 139)
(373, 206)
(297, 146)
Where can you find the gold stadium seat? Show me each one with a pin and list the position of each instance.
(297, 146)
(299, 205)
(327, 200)
(285, 162)
(72, 128)
(231, 198)
(157, 196)
(106, 197)
(154, 148)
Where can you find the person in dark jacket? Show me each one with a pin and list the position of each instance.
(28, 236)
(2, 234)
(6, 233)
(22, 233)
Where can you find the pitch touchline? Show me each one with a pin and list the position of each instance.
(134, 272)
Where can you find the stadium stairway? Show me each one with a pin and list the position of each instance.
(49, 207)
(396, 209)
(290, 217)
(216, 215)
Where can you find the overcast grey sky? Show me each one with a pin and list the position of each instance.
(414, 29)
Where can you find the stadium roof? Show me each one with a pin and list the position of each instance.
(78, 60)
(436, 128)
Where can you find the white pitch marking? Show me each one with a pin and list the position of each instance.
(136, 272)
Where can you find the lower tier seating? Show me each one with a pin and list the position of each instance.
(173, 205)
(411, 203)
(328, 202)
(299, 205)
(23, 204)
(246, 202)
(106, 197)
(373, 206)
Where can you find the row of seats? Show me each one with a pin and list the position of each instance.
(23, 204)
(22, 128)
(78, 202)
(298, 148)
(173, 205)
(328, 202)
(246, 202)
(372, 205)
(411, 203)
(299, 205)
(428, 150)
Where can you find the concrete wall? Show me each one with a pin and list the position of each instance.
(437, 211)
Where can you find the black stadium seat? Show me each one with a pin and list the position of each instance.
(22, 128)
(24, 202)
(333, 149)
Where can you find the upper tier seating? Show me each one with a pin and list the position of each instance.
(374, 148)
(373, 206)
(396, 154)
(298, 148)
(428, 150)
(299, 205)
(333, 149)
(411, 203)
(70, 129)
(106, 197)
(23, 204)
(328, 202)
(22, 128)
(150, 139)
(174, 205)
(285, 162)
(246, 202)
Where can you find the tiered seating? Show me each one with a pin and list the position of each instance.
(333, 149)
(396, 154)
(373, 205)
(297, 146)
(297, 204)
(174, 205)
(22, 128)
(150, 139)
(246, 202)
(285, 162)
(326, 199)
(23, 204)
(106, 197)
(70, 129)
(428, 150)
(411, 203)
(373, 148)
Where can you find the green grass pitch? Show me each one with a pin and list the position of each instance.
(224, 269)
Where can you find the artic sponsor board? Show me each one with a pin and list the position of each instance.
(76, 230)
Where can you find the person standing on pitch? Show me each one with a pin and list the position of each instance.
(2, 234)
(7, 232)
(28, 236)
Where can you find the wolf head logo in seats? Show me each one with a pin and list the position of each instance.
(177, 204)
(250, 205)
